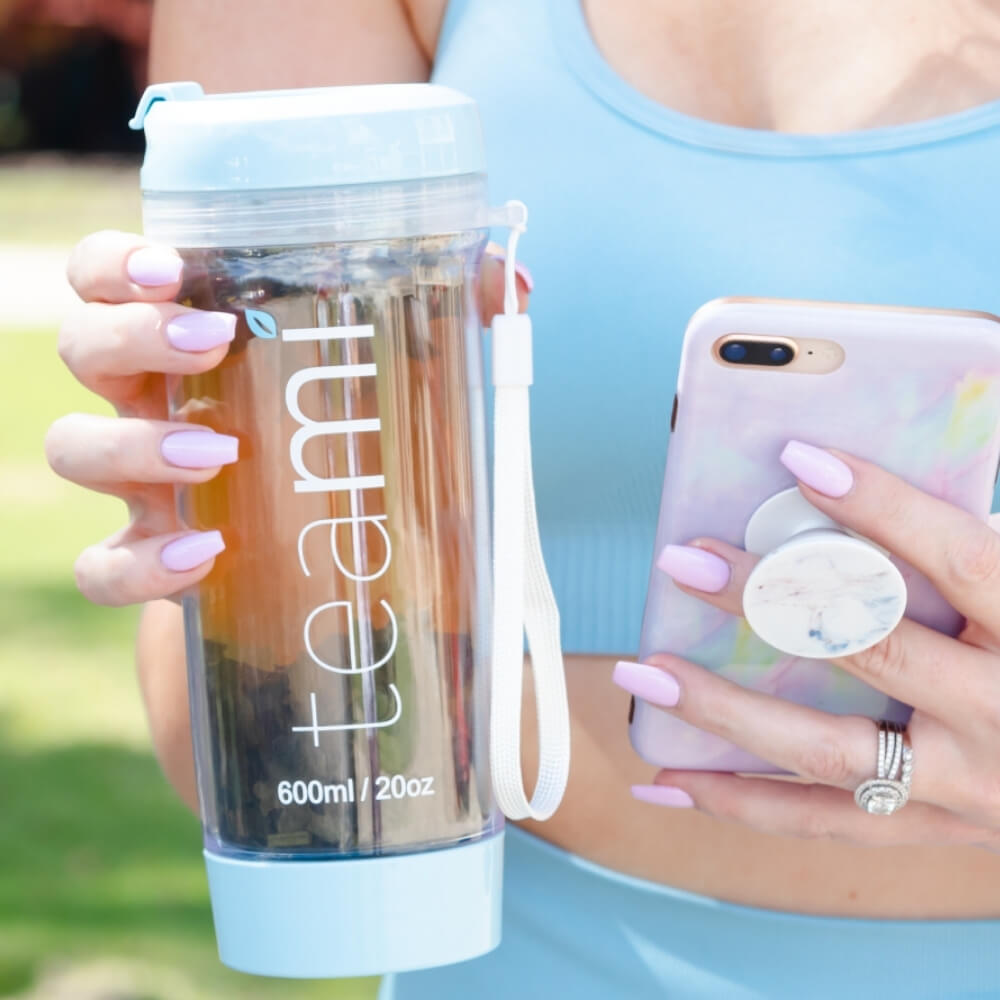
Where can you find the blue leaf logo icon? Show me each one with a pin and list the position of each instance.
(261, 324)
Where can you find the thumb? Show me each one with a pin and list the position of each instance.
(491, 284)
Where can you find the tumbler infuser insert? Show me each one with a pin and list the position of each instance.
(354, 656)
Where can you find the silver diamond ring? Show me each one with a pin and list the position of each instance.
(890, 789)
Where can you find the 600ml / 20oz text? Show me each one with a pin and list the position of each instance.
(386, 787)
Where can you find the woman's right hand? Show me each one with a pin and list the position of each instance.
(121, 342)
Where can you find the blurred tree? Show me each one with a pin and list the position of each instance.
(71, 72)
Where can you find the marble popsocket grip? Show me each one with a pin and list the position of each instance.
(818, 590)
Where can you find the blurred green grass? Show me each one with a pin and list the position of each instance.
(100, 865)
(47, 200)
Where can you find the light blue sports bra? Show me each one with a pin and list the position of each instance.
(638, 216)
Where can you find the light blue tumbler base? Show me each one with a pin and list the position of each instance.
(357, 916)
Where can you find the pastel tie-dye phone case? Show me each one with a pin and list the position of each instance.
(918, 392)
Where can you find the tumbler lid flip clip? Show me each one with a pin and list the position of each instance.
(181, 90)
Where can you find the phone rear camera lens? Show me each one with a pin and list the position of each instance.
(734, 351)
(780, 355)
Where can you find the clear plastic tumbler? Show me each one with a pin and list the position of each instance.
(339, 650)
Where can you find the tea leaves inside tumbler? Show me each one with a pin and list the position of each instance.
(341, 654)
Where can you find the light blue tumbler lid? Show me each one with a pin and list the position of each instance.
(319, 919)
(329, 136)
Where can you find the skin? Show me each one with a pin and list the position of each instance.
(792, 65)
(953, 684)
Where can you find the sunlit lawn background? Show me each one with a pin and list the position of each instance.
(102, 889)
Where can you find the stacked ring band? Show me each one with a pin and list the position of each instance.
(890, 789)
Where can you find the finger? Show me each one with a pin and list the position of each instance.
(118, 572)
(959, 554)
(491, 284)
(787, 808)
(836, 750)
(922, 667)
(100, 451)
(99, 341)
(709, 569)
(111, 266)
(914, 664)
(978, 635)
(832, 749)
(720, 581)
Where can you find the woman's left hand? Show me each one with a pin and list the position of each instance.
(953, 684)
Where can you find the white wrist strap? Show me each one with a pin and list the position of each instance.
(522, 595)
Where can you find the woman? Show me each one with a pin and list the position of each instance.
(671, 151)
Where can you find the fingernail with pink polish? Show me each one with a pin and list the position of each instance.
(817, 468)
(663, 795)
(648, 683)
(525, 275)
(152, 266)
(520, 269)
(201, 331)
(199, 449)
(191, 550)
(694, 567)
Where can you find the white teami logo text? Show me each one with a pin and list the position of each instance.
(354, 567)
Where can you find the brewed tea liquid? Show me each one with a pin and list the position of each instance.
(338, 650)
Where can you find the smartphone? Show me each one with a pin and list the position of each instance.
(916, 391)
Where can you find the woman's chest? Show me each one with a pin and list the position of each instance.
(803, 65)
